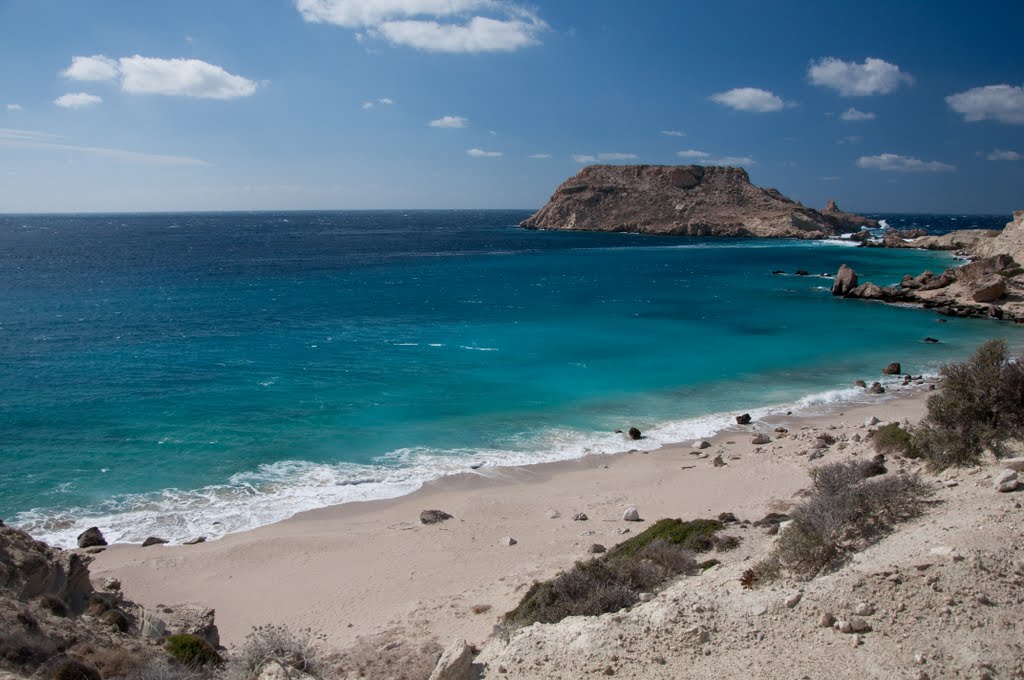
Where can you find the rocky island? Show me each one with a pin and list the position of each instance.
(689, 200)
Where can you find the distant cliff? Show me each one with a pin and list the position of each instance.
(689, 200)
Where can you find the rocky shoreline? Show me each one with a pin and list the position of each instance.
(991, 286)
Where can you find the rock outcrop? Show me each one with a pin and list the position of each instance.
(987, 287)
(690, 200)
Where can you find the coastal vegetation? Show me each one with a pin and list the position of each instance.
(981, 406)
(621, 578)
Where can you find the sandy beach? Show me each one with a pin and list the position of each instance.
(361, 569)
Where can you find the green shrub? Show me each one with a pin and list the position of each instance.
(1012, 273)
(981, 406)
(192, 650)
(608, 584)
(892, 438)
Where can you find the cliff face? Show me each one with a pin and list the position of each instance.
(688, 200)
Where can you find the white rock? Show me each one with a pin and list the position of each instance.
(275, 670)
(871, 422)
(794, 599)
(1006, 481)
(759, 610)
(864, 609)
(703, 444)
(646, 597)
(631, 514)
(760, 439)
(1013, 464)
(456, 663)
(508, 540)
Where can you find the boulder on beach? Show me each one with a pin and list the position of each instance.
(989, 290)
(433, 516)
(892, 369)
(876, 388)
(634, 433)
(631, 514)
(455, 663)
(153, 540)
(760, 439)
(743, 419)
(91, 537)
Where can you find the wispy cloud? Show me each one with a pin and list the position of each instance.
(14, 107)
(750, 99)
(856, 115)
(693, 153)
(673, 133)
(539, 156)
(850, 79)
(616, 156)
(172, 77)
(30, 139)
(584, 158)
(456, 26)
(77, 100)
(850, 139)
(1004, 155)
(1004, 103)
(736, 161)
(449, 122)
(891, 162)
(480, 153)
(830, 178)
(367, 105)
(386, 101)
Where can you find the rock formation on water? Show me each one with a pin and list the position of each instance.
(689, 200)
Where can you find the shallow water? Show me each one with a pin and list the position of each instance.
(203, 373)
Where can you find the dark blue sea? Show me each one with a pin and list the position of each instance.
(186, 374)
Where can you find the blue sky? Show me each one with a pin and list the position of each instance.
(118, 105)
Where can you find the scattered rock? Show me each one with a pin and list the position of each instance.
(91, 537)
(759, 610)
(931, 341)
(864, 609)
(646, 597)
(153, 540)
(456, 663)
(508, 541)
(434, 516)
(1006, 481)
(743, 419)
(597, 549)
(275, 669)
(634, 433)
(989, 290)
(859, 383)
(718, 461)
(631, 514)
(580, 517)
(876, 388)
(892, 369)
(826, 620)
(793, 600)
(854, 624)
(1013, 464)
(760, 439)
(195, 541)
(702, 445)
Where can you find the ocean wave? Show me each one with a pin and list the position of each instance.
(277, 491)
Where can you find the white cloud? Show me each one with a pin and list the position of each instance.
(182, 77)
(584, 158)
(480, 153)
(1004, 103)
(831, 178)
(616, 156)
(14, 107)
(539, 156)
(96, 68)
(77, 100)
(673, 133)
(850, 79)
(738, 161)
(850, 139)
(497, 25)
(693, 153)
(1004, 155)
(750, 99)
(449, 122)
(367, 105)
(891, 162)
(386, 101)
(29, 139)
(856, 115)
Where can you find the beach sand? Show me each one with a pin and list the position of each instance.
(360, 569)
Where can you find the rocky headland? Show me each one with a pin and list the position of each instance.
(990, 286)
(689, 200)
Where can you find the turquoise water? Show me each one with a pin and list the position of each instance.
(201, 374)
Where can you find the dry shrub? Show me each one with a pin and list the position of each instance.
(480, 608)
(112, 662)
(846, 511)
(27, 649)
(296, 649)
(765, 571)
(390, 655)
(981, 406)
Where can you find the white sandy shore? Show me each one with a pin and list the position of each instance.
(363, 568)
